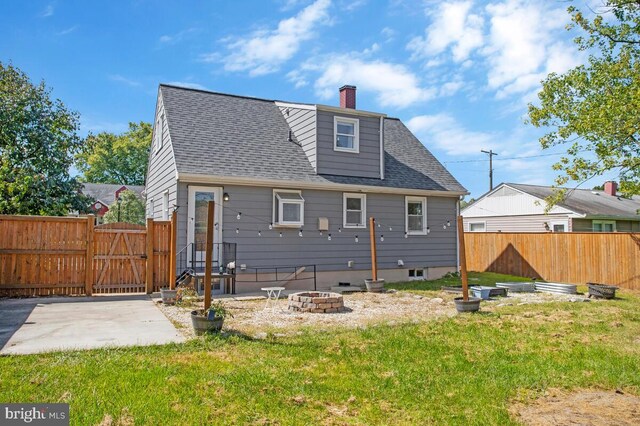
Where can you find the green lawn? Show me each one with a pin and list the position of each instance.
(463, 370)
(475, 278)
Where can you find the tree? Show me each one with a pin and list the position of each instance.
(131, 209)
(38, 142)
(592, 109)
(120, 159)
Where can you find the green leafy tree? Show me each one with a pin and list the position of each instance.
(120, 159)
(131, 208)
(592, 109)
(38, 143)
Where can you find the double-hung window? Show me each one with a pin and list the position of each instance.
(416, 215)
(288, 208)
(604, 226)
(354, 210)
(346, 134)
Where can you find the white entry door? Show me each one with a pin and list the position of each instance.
(199, 197)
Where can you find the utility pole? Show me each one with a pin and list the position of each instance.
(491, 154)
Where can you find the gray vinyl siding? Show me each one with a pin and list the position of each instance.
(433, 250)
(524, 223)
(366, 163)
(586, 225)
(161, 174)
(183, 200)
(303, 125)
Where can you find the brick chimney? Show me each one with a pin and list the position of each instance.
(348, 96)
(611, 188)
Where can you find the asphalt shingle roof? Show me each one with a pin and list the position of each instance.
(587, 201)
(227, 135)
(106, 192)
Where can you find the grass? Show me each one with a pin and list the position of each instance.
(475, 278)
(462, 370)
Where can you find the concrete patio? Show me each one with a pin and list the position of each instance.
(49, 324)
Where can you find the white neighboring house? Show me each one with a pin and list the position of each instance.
(512, 207)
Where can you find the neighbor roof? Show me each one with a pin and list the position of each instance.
(586, 201)
(106, 192)
(235, 136)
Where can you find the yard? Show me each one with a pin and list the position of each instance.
(451, 369)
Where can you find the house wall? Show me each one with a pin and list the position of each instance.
(586, 225)
(161, 172)
(523, 223)
(366, 163)
(436, 251)
(303, 125)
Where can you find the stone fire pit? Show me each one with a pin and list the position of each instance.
(316, 302)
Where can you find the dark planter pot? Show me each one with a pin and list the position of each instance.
(602, 291)
(374, 286)
(471, 305)
(168, 296)
(202, 324)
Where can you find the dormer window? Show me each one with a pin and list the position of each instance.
(346, 134)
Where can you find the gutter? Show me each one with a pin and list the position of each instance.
(271, 183)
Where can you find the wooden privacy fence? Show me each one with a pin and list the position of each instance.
(578, 258)
(41, 255)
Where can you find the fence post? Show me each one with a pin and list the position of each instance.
(150, 239)
(88, 274)
(172, 250)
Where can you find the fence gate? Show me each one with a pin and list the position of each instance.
(119, 258)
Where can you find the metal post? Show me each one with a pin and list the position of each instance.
(463, 261)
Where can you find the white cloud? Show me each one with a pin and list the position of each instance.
(445, 133)
(67, 31)
(388, 34)
(297, 78)
(265, 51)
(188, 85)
(394, 85)
(172, 39)
(516, 42)
(48, 11)
(124, 80)
(453, 25)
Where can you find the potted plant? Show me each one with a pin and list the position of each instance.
(210, 320)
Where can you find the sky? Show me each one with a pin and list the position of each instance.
(460, 74)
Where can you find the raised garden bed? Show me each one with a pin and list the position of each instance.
(494, 292)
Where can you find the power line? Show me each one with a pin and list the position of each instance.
(505, 158)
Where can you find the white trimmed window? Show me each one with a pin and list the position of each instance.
(477, 227)
(604, 225)
(354, 210)
(558, 226)
(288, 208)
(165, 205)
(159, 133)
(416, 215)
(346, 132)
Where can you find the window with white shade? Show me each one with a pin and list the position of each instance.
(416, 215)
(346, 134)
(477, 226)
(354, 210)
(165, 205)
(288, 208)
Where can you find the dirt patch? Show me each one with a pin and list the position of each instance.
(362, 309)
(584, 407)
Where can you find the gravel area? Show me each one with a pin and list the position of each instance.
(362, 309)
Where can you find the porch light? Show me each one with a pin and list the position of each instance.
(225, 197)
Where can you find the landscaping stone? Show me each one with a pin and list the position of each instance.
(316, 302)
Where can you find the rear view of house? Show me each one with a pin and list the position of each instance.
(295, 184)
